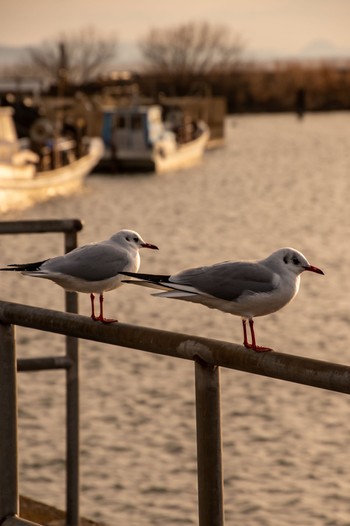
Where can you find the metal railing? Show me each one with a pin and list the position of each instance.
(69, 363)
(208, 356)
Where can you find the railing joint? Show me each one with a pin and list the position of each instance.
(198, 359)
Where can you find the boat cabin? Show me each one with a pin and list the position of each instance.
(139, 138)
(132, 132)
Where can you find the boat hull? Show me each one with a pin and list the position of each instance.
(158, 160)
(27, 187)
(185, 156)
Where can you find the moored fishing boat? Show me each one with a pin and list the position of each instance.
(138, 138)
(48, 166)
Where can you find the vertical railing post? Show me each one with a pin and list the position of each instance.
(72, 406)
(209, 449)
(8, 424)
(70, 229)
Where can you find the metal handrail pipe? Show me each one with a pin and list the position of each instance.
(8, 423)
(70, 229)
(33, 226)
(43, 363)
(209, 445)
(288, 367)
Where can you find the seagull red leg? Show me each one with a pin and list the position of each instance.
(101, 318)
(254, 346)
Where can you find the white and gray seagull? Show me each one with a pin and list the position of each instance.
(243, 288)
(92, 268)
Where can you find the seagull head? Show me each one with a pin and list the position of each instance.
(130, 238)
(290, 260)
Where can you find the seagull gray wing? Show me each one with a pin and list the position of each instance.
(228, 280)
(94, 262)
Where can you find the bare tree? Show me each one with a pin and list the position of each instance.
(78, 57)
(192, 48)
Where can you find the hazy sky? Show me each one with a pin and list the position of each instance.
(277, 26)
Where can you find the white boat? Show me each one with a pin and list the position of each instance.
(56, 169)
(137, 138)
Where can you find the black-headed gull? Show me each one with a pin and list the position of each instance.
(92, 268)
(242, 288)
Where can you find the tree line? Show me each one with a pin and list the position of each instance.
(195, 58)
(280, 87)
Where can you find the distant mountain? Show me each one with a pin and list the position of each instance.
(128, 55)
(323, 49)
(10, 55)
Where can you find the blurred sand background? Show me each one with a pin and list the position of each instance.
(278, 182)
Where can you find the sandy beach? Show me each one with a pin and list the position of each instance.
(278, 182)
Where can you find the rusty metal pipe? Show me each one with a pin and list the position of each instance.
(72, 405)
(70, 362)
(43, 364)
(8, 423)
(209, 447)
(307, 371)
(40, 226)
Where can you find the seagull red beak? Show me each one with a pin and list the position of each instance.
(149, 245)
(311, 268)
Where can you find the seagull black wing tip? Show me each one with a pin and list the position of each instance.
(153, 278)
(19, 267)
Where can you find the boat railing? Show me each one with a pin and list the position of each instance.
(69, 363)
(208, 357)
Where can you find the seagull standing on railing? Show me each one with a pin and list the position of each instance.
(243, 288)
(92, 268)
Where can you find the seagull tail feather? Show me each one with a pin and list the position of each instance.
(153, 278)
(149, 284)
(30, 267)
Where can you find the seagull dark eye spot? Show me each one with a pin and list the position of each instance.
(136, 239)
(285, 259)
(295, 260)
(127, 238)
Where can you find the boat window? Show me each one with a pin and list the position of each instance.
(136, 122)
(121, 121)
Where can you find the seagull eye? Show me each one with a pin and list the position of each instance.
(136, 239)
(295, 260)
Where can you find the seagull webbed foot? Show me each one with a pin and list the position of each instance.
(102, 319)
(257, 348)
